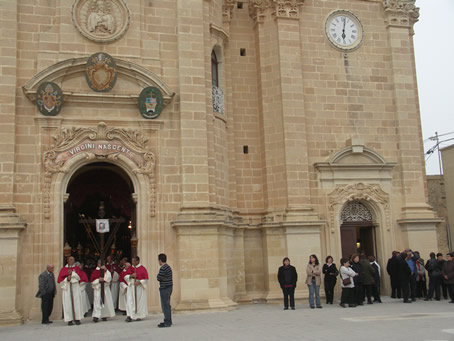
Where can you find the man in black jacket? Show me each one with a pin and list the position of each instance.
(47, 290)
(392, 268)
(287, 278)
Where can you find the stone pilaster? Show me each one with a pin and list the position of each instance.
(416, 215)
(10, 229)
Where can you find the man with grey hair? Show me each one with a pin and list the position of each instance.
(47, 291)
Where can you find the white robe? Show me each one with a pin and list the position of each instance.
(85, 302)
(122, 297)
(106, 309)
(66, 288)
(142, 306)
(114, 287)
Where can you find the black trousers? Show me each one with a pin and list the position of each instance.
(395, 287)
(434, 286)
(289, 292)
(413, 285)
(368, 291)
(451, 291)
(358, 293)
(47, 304)
(421, 289)
(329, 291)
(444, 288)
(405, 287)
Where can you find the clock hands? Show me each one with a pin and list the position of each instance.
(343, 30)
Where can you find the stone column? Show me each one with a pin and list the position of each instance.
(417, 217)
(10, 228)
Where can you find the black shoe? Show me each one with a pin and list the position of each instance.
(393, 296)
(360, 304)
(293, 308)
(320, 307)
(427, 299)
(78, 322)
(124, 313)
(448, 302)
(128, 319)
(286, 308)
(163, 325)
(352, 305)
(370, 302)
(104, 318)
(407, 301)
(70, 323)
(95, 319)
(342, 305)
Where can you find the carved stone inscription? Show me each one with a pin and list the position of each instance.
(100, 143)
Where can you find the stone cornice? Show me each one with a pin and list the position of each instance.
(227, 10)
(220, 32)
(401, 13)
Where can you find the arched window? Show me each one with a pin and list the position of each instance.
(218, 94)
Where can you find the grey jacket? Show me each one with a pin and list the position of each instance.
(45, 284)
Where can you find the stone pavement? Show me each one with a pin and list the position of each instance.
(391, 320)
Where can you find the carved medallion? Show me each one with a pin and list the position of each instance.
(150, 102)
(101, 72)
(49, 99)
(101, 20)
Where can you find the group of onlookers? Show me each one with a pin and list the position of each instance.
(360, 278)
(409, 276)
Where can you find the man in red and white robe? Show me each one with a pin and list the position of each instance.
(102, 306)
(85, 302)
(69, 278)
(124, 287)
(114, 284)
(136, 306)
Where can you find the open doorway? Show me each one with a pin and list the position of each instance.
(357, 230)
(99, 190)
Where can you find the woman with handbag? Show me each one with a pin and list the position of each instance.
(313, 281)
(347, 283)
(330, 272)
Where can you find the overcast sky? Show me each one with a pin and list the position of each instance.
(434, 51)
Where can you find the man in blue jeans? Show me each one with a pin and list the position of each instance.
(165, 290)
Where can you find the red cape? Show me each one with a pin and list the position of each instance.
(83, 276)
(95, 275)
(125, 273)
(63, 274)
(141, 272)
(113, 267)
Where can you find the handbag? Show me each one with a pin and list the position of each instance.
(346, 281)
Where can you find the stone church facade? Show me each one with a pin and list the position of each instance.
(240, 132)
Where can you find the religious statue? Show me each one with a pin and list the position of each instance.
(100, 21)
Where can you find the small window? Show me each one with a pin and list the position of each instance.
(239, 5)
(242, 52)
(214, 70)
(245, 149)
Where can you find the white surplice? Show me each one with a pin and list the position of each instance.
(66, 288)
(122, 297)
(114, 287)
(142, 307)
(102, 309)
(85, 302)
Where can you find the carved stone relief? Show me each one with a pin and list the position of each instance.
(279, 9)
(401, 13)
(101, 20)
(354, 212)
(358, 193)
(100, 143)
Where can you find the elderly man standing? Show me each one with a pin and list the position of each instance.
(69, 278)
(47, 291)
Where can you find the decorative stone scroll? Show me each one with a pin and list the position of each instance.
(401, 13)
(355, 212)
(227, 10)
(358, 193)
(101, 143)
(102, 21)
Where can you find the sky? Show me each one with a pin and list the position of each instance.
(434, 53)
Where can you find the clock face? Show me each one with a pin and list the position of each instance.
(344, 30)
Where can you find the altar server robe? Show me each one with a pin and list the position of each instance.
(123, 288)
(142, 307)
(106, 308)
(68, 287)
(84, 300)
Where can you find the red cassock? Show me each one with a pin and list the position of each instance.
(95, 275)
(112, 268)
(125, 273)
(63, 274)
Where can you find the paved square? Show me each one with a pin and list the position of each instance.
(391, 320)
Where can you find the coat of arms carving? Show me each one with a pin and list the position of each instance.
(49, 99)
(101, 20)
(101, 72)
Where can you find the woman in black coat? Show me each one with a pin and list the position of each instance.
(287, 278)
(330, 272)
(358, 290)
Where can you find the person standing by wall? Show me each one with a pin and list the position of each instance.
(313, 281)
(165, 280)
(47, 290)
(448, 274)
(287, 277)
(392, 267)
(330, 272)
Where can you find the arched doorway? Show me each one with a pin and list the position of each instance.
(357, 230)
(99, 190)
